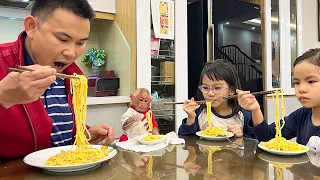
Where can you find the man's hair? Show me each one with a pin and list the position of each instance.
(44, 8)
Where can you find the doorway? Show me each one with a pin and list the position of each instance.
(236, 38)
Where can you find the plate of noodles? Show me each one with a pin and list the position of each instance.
(54, 159)
(151, 139)
(283, 147)
(214, 133)
(279, 145)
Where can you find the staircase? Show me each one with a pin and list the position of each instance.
(250, 76)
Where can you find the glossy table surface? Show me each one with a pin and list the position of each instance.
(197, 159)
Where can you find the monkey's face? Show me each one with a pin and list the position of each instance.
(143, 102)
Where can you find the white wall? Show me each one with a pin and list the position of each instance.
(309, 25)
(10, 29)
(241, 38)
(309, 40)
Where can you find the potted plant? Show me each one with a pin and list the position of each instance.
(96, 57)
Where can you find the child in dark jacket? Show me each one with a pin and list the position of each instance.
(303, 123)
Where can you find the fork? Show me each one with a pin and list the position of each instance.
(238, 145)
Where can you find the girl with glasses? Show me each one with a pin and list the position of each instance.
(218, 79)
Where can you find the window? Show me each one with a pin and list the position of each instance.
(282, 42)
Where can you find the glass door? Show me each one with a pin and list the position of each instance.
(163, 63)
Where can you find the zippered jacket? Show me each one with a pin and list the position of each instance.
(25, 128)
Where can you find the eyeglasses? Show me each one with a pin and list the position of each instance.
(215, 89)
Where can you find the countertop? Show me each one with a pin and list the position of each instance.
(107, 100)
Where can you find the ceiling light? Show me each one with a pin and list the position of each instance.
(227, 23)
(273, 20)
(25, 0)
(256, 7)
(253, 28)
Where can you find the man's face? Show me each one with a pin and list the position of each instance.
(58, 40)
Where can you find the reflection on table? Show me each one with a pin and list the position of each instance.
(197, 159)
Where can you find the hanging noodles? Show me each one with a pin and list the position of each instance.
(279, 169)
(209, 114)
(279, 173)
(281, 165)
(149, 166)
(81, 151)
(149, 119)
(210, 160)
(212, 131)
(211, 150)
(279, 143)
(150, 137)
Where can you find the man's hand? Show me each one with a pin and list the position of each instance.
(101, 134)
(25, 87)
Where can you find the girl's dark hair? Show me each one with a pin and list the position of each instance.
(312, 56)
(223, 70)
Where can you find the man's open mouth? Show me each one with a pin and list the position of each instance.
(59, 65)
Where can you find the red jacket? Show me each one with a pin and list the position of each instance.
(24, 128)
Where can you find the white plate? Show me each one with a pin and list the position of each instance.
(39, 158)
(285, 153)
(218, 138)
(151, 142)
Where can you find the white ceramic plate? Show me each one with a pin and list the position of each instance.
(285, 153)
(218, 138)
(151, 142)
(38, 159)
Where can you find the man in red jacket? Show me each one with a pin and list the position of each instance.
(36, 107)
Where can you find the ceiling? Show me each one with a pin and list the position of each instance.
(237, 13)
(18, 4)
(233, 13)
(191, 1)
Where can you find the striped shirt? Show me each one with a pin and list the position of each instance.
(56, 104)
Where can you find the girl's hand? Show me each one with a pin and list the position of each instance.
(235, 129)
(189, 164)
(247, 101)
(190, 106)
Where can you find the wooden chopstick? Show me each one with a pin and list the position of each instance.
(23, 69)
(168, 103)
(255, 94)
